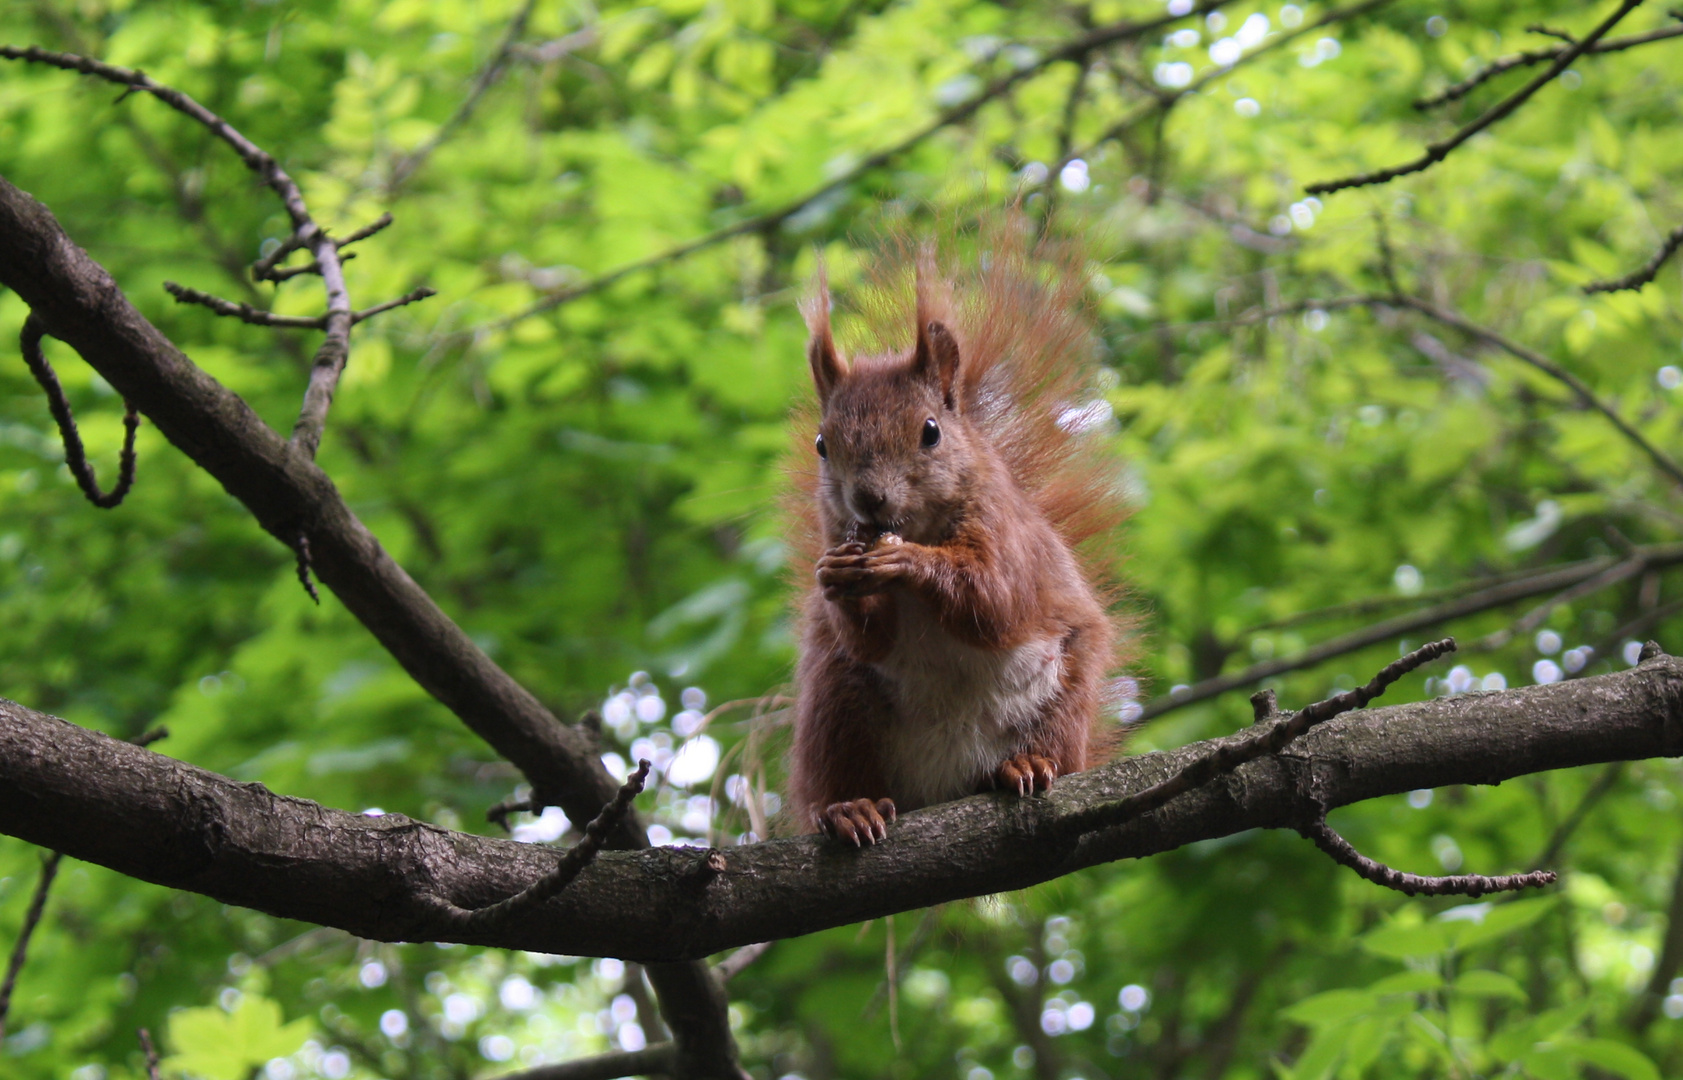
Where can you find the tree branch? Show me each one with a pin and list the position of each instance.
(488, 75)
(1436, 152)
(1649, 270)
(1486, 599)
(1531, 57)
(78, 303)
(173, 824)
(330, 358)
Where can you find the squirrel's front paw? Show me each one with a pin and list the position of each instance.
(1025, 773)
(859, 822)
(848, 570)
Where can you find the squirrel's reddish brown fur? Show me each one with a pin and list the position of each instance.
(953, 637)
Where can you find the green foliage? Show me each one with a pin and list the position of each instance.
(590, 491)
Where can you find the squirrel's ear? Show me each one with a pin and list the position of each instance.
(936, 358)
(828, 368)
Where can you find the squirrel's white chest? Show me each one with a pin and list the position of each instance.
(960, 710)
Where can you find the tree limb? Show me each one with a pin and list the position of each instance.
(171, 823)
(77, 302)
(1436, 152)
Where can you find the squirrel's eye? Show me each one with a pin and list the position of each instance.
(823, 453)
(931, 433)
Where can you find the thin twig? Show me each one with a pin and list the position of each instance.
(242, 311)
(151, 1053)
(75, 455)
(1436, 152)
(1551, 369)
(572, 862)
(1271, 734)
(1538, 56)
(656, 1060)
(1649, 270)
(1583, 393)
(31, 919)
(301, 548)
(1563, 832)
(488, 75)
(259, 317)
(1531, 620)
(1414, 884)
(732, 965)
(329, 362)
(1486, 599)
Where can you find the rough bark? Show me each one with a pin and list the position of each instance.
(146, 815)
(291, 497)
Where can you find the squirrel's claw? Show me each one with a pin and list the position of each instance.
(847, 570)
(1025, 773)
(859, 822)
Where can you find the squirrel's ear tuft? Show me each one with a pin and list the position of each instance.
(936, 358)
(828, 367)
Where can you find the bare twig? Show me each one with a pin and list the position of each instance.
(1414, 884)
(498, 814)
(1532, 57)
(653, 1060)
(330, 358)
(1649, 270)
(1436, 152)
(1531, 620)
(575, 859)
(1583, 393)
(732, 965)
(1554, 371)
(1667, 965)
(31, 919)
(151, 1053)
(405, 166)
(1604, 783)
(244, 312)
(1272, 734)
(75, 456)
(1485, 599)
(259, 317)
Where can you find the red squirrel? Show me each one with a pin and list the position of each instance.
(953, 640)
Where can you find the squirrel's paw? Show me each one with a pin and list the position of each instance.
(859, 822)
(847, 570)
(1025, 774)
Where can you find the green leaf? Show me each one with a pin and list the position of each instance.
(1613, 1057)
(1331, 1007)
(218, 1045)
(1489, 984)
(1402, 942)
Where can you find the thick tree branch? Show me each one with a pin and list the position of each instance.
(171, 823)
(78, 303)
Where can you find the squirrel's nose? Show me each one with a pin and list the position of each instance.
(867, 501)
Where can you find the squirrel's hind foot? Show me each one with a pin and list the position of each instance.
(859, 822)
(1026, 774)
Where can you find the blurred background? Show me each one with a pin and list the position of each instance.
(583, 468)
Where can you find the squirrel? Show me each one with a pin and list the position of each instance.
(953, 639)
